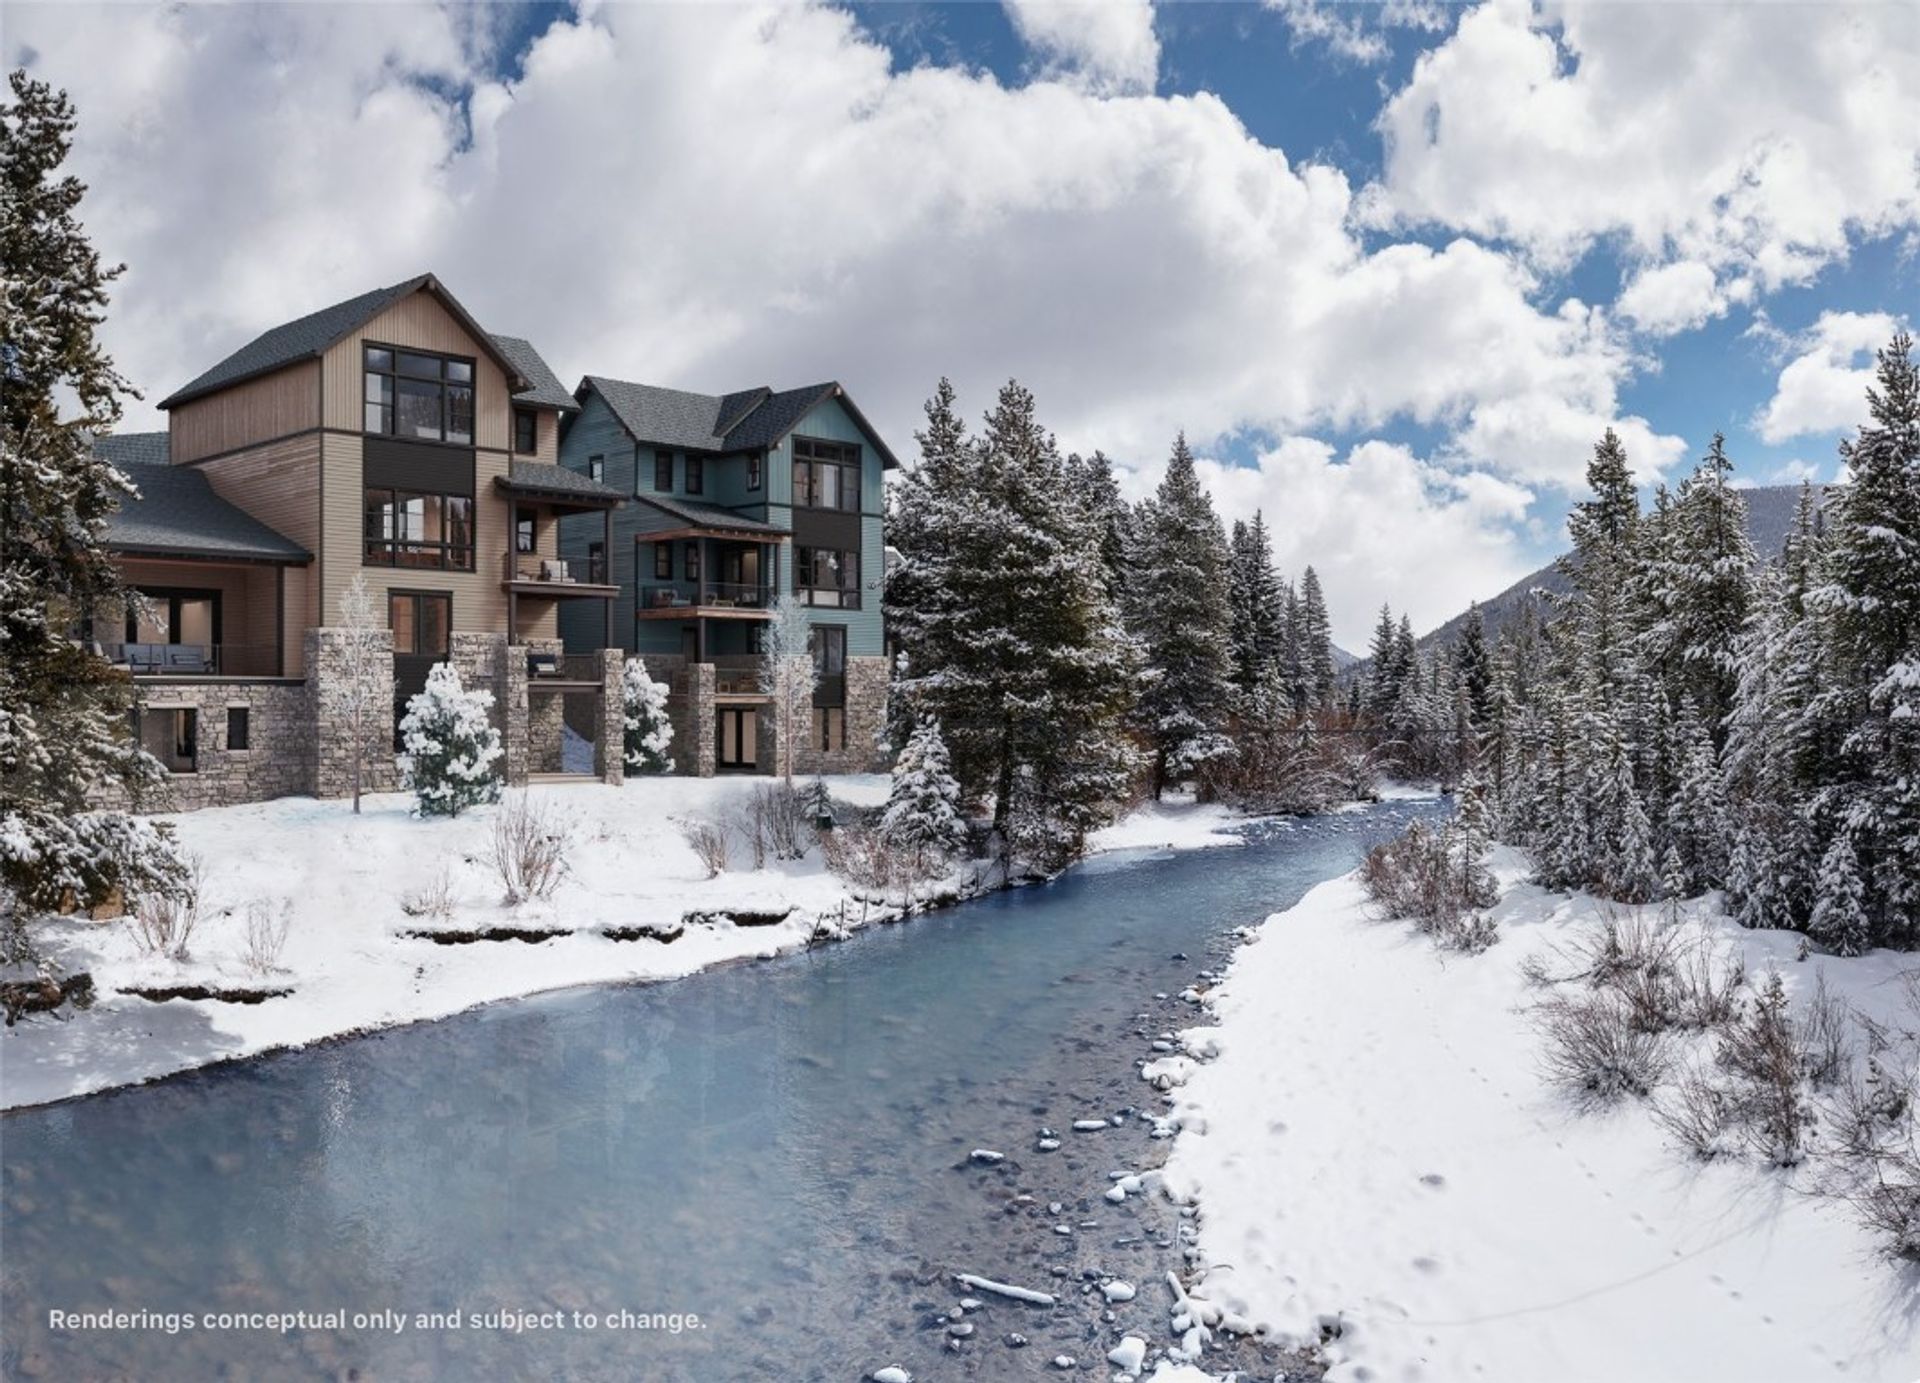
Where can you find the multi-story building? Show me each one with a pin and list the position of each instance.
(388, 437)
(734, 499)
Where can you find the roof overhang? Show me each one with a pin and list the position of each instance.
(181, 554)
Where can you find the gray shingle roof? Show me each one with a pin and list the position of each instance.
(543, 475)
(695, 515)
(309, 336)
(545, 388)
(177, 513)
(749, 419)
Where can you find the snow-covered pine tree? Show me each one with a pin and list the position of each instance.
(448, 745)
(1702, 591)
(1868, 599)
(63, 710)
(1015, 647)
(1383, 669)
(923, 815)
(1697, 822)
(1247, 671)
(648, 729)
(1604, 530)
(1839, 920)
(1475, 666)
(1316, 641)
(1108, 515)
(1469, 841)
(1184, 624)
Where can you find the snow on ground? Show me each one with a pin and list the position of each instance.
(349, 966)
(1375, 1145)
(1176, 822)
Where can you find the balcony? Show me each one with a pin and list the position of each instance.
(714, 599)
(530, 574)
(194, 659)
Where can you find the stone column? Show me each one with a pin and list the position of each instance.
(610, 745)
(327, 688)
(698, 738)
(867, 685)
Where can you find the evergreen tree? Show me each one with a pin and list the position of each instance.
(1109, 516)
(1316, 641)
(1839, 920)
(923, 814)
(1475, 666)
(448, 745)
(1184, 624)
(647, 728)
(1383, 669)
(1701, 589)
(63, 709)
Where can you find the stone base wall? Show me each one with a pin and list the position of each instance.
(331, 692)
(278, 760)
(866, 718)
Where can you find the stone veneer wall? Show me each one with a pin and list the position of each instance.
(867, 683)
(332, 732)
(277, 763)
(610, 745)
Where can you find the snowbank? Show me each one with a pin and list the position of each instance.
(1175, 823)
(351, 965)
(1378, 1160)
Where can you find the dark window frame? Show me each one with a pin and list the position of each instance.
(530, 420)
(391, 543)
(242, 718)
(695, 472)
(663, 472)
(812, 456)
(419, 597)
(597, 466)
(829, 723)
(447, 385)
(690, 560)
(663, 561)
(597, 559)
(170, 597)
(754, 470)
(526, 520)
(828, 645)
(846, 593)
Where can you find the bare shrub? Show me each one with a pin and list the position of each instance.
(266, 934)
(434, 898)
(1472, 933)
(1708, 980)
(774, 822)
(1698, 1114)
(1762, 1054)
(865, 858)
(1825, 1033)
(1408, 877)
(709, 843)
(1890, 1210)
(531, 840)
(164, 918)
(1595, 1049)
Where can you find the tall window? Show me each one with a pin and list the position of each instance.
(663, 471)
(829, 729)
(404, 529)
(691, 562)
(421, 622)
(526, 431)
(827, 576)
(696, 475)
(596, 467)
(414, 394)
(826, 475)
(597, 562)
(525, 530)
(663, 561)
(829, 643)
(753, 470)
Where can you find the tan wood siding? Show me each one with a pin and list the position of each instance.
(280, 486)
(259, 410)
(419, 321)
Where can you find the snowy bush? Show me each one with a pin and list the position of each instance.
(774, 822)
(266, 934)
(1764, 1062)
(449, 745)
(868, 859)
(434, 898)
(1595, 1049)
(708, 842)
(164, 918)
(531, 839)
(1438, 880)
(1697, 1113)
(648, 731)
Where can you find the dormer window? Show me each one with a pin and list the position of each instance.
(419, 396)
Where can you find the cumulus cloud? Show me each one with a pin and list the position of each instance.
(1553, 127)
(1823, 388)
(1354, 30)
(1109, 45)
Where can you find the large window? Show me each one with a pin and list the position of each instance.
(414, 530)
(172, 735)
(420, 396)
(826, 475)
(421, 621)
(526, 431)
(826, 576)
(829, 644)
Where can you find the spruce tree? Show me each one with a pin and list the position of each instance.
(63, 710)
(1316, 640)
(1839, 920)
(449, 745)
(646, 728)
(1184, 625)
(923, 813)
(1475, 666)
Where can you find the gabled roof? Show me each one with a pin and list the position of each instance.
(308, 337)
(544, 387)
(686, 513)
(177, 513)
(748, 420)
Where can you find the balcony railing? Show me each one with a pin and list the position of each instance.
(194, 659)
(722, 595)
(555, 571)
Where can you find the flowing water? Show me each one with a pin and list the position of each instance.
(778, 1148)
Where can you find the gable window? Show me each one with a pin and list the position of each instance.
(526, 431)
(826, 475)
(753, 470)
(405, 529)
(417, 395)
(596, 467)
(663, 561)
(827, 576)
(696, 475)
(421, 622)
(663, 471)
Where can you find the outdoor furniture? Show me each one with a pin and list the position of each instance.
(543, 665)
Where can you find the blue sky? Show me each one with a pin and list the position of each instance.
(1392, 266)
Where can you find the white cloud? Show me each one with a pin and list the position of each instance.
(1824, 387)
(1355, 30)
(1109, 45)
(657, 198)
(1751, 140)
(1673, 297)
